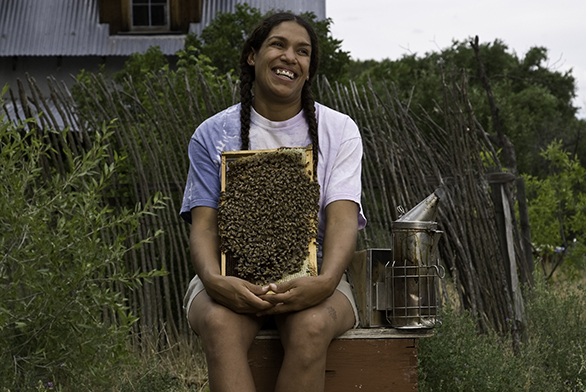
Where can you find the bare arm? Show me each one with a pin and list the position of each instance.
(339, 240)
(338, 248)
(234, 293)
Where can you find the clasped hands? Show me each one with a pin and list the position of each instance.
(295, 295)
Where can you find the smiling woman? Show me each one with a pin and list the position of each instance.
(281, 68)
(279, 61)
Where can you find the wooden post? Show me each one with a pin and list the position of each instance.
(515, 289)
(498, 181)
(525, 228)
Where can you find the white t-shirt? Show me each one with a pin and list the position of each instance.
(339, 156)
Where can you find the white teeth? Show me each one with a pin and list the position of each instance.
(285, 72)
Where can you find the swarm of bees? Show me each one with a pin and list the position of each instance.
(268, 215)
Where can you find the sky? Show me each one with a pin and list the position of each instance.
(379, 29)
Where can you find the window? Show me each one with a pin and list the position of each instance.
(153, 16)
(149, 15)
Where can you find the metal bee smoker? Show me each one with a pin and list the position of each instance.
(397, 287)
(413, 274)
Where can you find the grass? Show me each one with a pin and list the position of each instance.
(552, 354)
(180, 368)
(457, 358)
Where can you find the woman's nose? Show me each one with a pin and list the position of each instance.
(289, 55)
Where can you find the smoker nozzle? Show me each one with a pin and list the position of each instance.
(426, 210)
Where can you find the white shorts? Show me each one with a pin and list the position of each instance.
(196, 287)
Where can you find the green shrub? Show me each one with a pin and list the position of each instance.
(551, 357)
(457, 358)
(63, 319)
(556, 336)
(557, 211)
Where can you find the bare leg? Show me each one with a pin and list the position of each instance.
(306, 336)
(226, 338)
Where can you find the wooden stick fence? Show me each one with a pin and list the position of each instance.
(407, 155)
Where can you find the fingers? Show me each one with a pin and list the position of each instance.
(276, 299)
(240, 295)
(287, 286)
(283, 301)
(252, 300)
(277, 309)
(277, 294)
(258, 290)
(256, 304)
(248, 304)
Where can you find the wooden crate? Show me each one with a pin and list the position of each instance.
(376, 359)
(228, 156)
(365, 273)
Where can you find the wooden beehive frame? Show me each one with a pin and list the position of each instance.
(307, 153)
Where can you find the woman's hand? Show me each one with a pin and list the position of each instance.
(298, 294)
(237, 294)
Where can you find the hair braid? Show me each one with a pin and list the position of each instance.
(308, 105)
(245, 108)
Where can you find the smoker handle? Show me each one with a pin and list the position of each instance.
(441, 274)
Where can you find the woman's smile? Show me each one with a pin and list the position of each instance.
(285, 73)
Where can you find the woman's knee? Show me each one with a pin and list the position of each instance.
(316, 327)
(220, 326)
(307, 331)
(214, 320)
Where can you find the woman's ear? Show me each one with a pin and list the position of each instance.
(251, 57)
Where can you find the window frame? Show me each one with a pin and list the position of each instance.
(166, 28)
(180, 13)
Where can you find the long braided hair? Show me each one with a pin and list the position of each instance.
(254, 42)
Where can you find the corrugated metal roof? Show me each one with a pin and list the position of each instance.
(16, 113)
(72, 28)
(68, 28)
(210, 7)
(318, 7)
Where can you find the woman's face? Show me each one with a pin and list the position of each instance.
(281, 65)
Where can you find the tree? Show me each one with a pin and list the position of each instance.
(534, 100)
(222, 41)
(557, 211)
